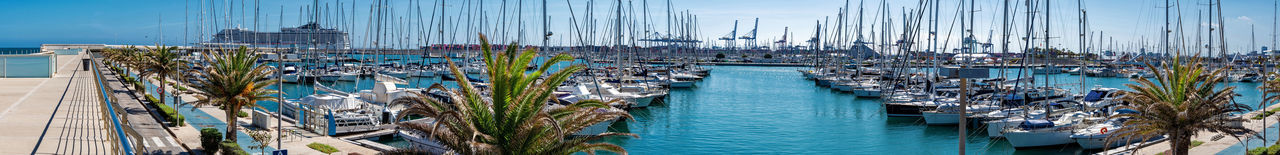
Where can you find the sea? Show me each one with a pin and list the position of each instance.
(18, 50)
(774, 110)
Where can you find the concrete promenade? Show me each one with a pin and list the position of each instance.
(57, 115)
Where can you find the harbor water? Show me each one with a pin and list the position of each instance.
(772, 110)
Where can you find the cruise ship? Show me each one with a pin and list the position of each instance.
(308, 34)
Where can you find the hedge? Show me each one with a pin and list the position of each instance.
(137, 85)
(169, 112)
(1265, 114)
(128, 79)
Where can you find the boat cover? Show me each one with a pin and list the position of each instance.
(1094, 96)
(1035, 124)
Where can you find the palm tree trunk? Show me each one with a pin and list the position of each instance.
(1179, 144)
(231, 122)
(162, 90)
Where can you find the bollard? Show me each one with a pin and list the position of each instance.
(85, 64)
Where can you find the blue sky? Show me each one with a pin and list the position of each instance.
(1128, 22)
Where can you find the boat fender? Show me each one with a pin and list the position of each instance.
(1104, 130)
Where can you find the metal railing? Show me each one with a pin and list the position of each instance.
(122, 134)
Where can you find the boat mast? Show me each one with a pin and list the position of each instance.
(1047, 46)
(1083, 65)
(546, 32)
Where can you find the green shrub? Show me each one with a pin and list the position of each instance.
(242, 114)
(230, 147)
(322, 148)
(1273, 149)
(1195, 143)
(209, 140)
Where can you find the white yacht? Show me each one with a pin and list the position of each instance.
(1040, 132)
(609, 91)
(949, 113)
(1243, 76)
(1102, 97)
(420, 140)
(1047, 70)
(1095, 136)
(394, 72)
(290, 74)
(577, 93)
(674, 83)
(869, 88)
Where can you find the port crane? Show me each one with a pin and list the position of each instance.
(749, 39)
(730, 40)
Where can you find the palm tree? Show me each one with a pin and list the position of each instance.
(514, 118)
(1182, 101)
(125, 57)
(232, 80)
(161, 62)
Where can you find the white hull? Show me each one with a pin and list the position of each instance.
(1100, 142)
(397, 74)
(596, 128)
(348, 77)
(642, 101)
(289, 78)
(995, 129)
(1020, 139)
(422, 73)
(420, 141)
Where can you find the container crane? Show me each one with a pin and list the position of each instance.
(729, 41)
(750, 37)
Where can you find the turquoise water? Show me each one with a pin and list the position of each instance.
(773, 110)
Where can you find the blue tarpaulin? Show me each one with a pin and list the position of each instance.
(1036, 124)
(1094, 96)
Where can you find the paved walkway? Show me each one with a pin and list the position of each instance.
(155, 139)
(57, 115)
(78, 125)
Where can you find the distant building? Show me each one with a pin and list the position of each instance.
(310, 34)
(975, 58)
